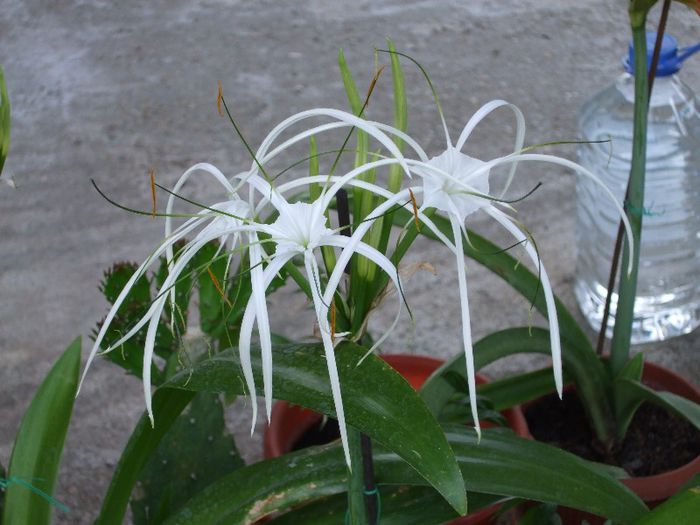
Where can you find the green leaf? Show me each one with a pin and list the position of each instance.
(196, 451)
(400, 115)
(395, 171)
(167, 406)
(39, 444)
(505, 464)
(362, 200)
(631, 394)
(581, 364)
(511, 391)
(501, 464)
(409, 505)
(4, 120)
(679, 509)
(254, 491)
(626, 401)
(633, 368)
(377, 401)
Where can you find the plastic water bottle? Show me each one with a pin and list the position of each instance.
(668, 288)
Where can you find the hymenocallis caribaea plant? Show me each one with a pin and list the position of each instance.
(282, 221)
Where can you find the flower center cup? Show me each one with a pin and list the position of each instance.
(455, 183)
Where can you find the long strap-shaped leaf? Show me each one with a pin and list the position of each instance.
(378, 402)
(39, 444)
(398, 505)
(631, 394)
(501, 464)
(679, 509)
(581, 364)
(167, 406)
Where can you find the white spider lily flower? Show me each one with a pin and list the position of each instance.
(300, 229)
(219, 221)
(458, 185)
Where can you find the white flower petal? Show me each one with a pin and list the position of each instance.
(322, 318)
(466, 320)
(547, 290)
(342, 116)
(484, 111)
(189, 226)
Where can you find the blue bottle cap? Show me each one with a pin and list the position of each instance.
(670, 58)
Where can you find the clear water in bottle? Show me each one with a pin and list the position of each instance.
(668, 289)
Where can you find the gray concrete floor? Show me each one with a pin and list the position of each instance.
(107, 90)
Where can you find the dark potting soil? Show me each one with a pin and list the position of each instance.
(657, 441)
(325, 431)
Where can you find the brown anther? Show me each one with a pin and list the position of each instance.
(415, 208)
(218, 287)
(219, 98)
(152, 175)
(373, 83)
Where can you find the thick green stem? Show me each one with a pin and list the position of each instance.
(635, 204)
(357, 513)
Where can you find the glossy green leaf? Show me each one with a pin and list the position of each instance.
(515, 390)
(362, 200)
(631, 394)
(627, 401)
(39, 444)
(4, 120)
(377, 401)
(582, 365)
(681, 508)
(402, 505)
(505, 464)
(167, 406)
(400, 114)
(252, 492)
(196, 451)
(502, 464)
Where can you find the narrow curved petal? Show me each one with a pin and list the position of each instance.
(189, 226)
(246, 329)
(262, 319)
(342, 116)
(202, 166)
(322, 318)
(484, 111)
(538, 157)
(466, 320)
(546, 288)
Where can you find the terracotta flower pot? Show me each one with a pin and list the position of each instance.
(655, 489)
(289, 422)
